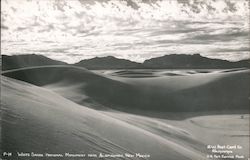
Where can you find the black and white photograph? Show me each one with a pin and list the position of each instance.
(125, 80)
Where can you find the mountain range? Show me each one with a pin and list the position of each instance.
(173, 61)
(196, 61)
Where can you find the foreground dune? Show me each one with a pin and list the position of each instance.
(38, 120)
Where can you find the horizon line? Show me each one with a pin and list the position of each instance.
(124, 58)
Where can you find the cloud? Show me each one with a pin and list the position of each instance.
(133, 29)
(226, 49)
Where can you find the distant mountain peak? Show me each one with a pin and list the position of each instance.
(108, 62)
(104, 58)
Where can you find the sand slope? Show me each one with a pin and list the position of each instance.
(38, 120)
(51, 116)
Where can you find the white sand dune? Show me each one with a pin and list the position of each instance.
(38, 120)
(225, 90)
(197, 132)
(146, 73)
(50, 114)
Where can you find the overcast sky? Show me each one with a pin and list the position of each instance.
(71, 30)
